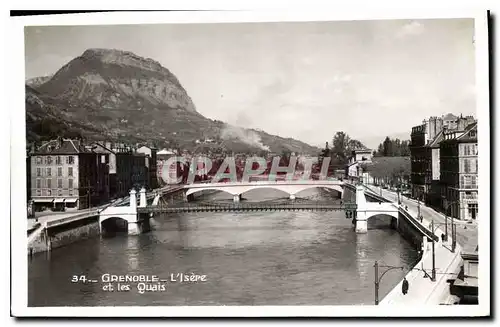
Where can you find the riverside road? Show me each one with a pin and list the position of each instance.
(247, 258)
(466, 233)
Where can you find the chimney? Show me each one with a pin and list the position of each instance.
(432, 128)
(439, 124)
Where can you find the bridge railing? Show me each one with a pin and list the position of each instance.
(61, 221)
(418, 225)
(286, 182)
(250, 206)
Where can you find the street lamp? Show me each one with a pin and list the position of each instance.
(398, 190)
(453, 227)
(433, 278)
(378, 279)
(433, 271)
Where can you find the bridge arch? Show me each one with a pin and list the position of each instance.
(382, 220)
(112, 224)
(337, 188)
(392, 214)
(126, 213)
(264, 187)
(220, 189)
(288, 189)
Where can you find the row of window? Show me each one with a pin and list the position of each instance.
(468, 149)
(470, 165)
(468, 195)
(48, 192)
(468, 181)
(48, 160)
(48, 171)
(48, 183)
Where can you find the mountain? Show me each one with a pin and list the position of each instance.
(45, 120)
(118, 95)
(37, 81)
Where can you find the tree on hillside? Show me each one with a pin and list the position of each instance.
(393, 148)
(342, 148)
(387, 147)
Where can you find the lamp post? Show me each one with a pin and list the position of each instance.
(446, 222)
(453, 235)
(433, 278)
(433, 274)
(378, 279)
(398, 190)
(453, 227)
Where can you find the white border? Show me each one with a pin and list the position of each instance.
(18, 210)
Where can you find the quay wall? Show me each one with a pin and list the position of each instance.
(66, 231)
(407, 228)
(53, 237)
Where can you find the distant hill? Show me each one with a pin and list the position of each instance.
(118, 95)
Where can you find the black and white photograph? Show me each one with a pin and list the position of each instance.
(251, 165)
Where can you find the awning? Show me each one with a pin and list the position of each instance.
(43, 200)
(65, 200)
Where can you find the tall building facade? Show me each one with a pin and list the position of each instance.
(433, 176)
(64, 174)
(439, 159)
(459, 172)
(151, 161)
(425, 138)
(419, 154)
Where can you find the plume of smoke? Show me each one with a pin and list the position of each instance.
(246, 136)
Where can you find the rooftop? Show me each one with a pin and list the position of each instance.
(61, 146)
(450, 116)
(439, 137)
(467, 135)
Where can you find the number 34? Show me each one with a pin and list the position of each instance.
(76, 279)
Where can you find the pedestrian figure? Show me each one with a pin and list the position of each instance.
(442, 237)
(405, 286)
(406, 208)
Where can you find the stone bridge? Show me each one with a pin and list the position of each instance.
(136, 214)
(134, 222)
(290, 187)
(366, 210)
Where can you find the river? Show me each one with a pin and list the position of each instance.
(251, 258)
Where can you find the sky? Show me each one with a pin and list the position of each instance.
(305, 80)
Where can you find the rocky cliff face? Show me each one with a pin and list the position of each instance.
(116, 94)
(114, 79)
(37, 81)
